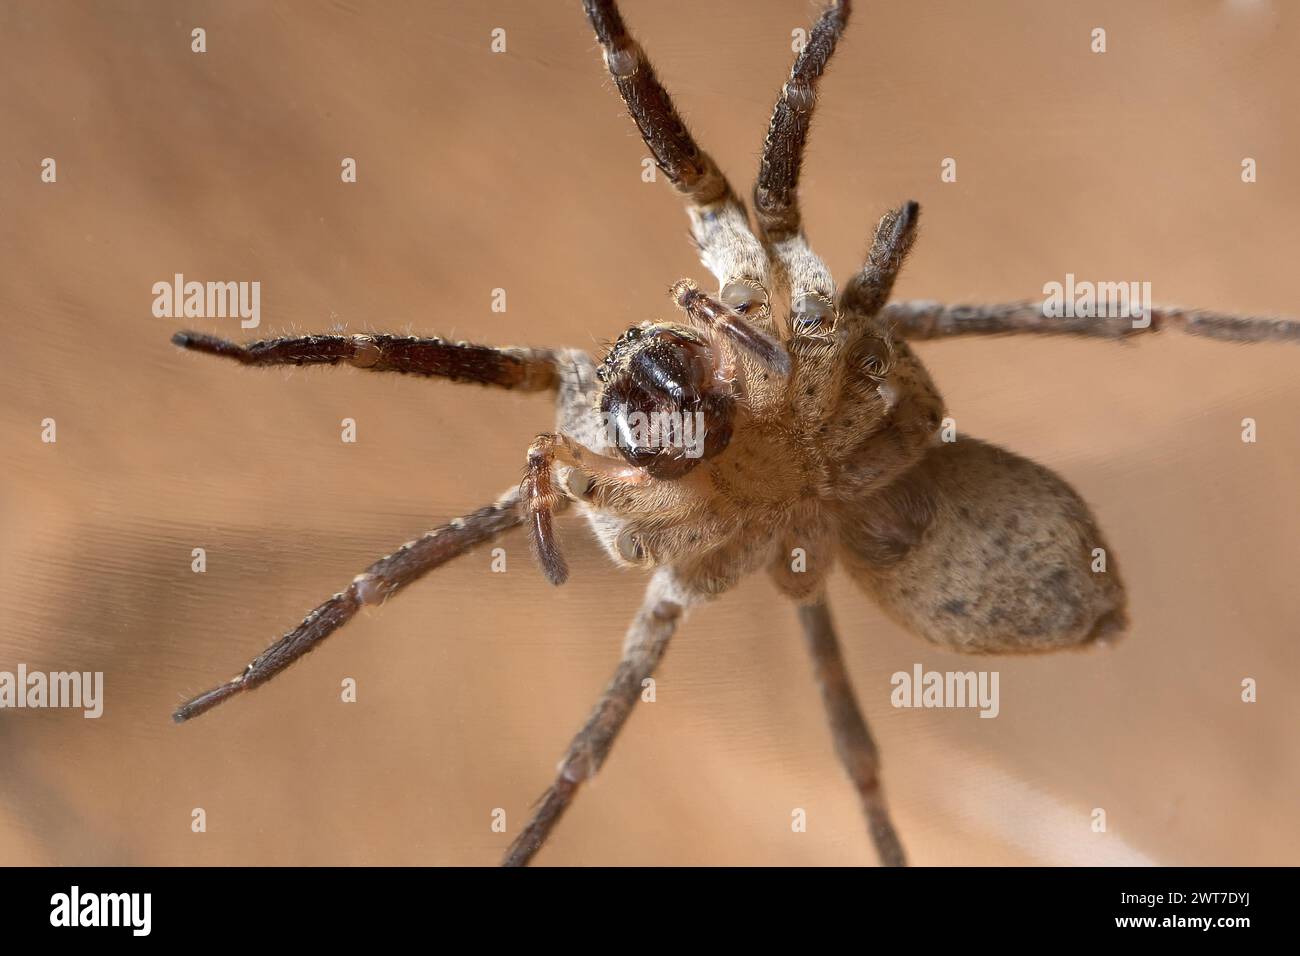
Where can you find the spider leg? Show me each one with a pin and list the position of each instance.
(529, 370)
(853, 742)
(868, 291)
(592, 478)
(373, 586)
(931, 320)
(719, 223)
(710, 314)
(643, 647)
(776, 201)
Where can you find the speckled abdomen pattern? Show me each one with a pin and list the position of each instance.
(982, 551)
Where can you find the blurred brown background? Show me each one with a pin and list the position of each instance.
(521, 171)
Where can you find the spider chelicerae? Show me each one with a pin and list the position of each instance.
(784, 447)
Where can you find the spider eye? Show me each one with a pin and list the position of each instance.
(575, 482)
(630, 547)
(742, 297)
(812, 315)
(874, 359)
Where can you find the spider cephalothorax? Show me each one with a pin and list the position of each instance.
(815, 446)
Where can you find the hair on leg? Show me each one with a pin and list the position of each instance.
(528, 370)
(933, 320)
(776, 200)
(853, 741)
(643, 648)
(373, 586)
(719, 223)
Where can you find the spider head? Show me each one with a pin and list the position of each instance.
(666, 405)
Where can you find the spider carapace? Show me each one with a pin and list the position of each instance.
(731, 443)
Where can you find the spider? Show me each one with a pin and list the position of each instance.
(818, 437)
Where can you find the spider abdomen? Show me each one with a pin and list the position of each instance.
(983, 551)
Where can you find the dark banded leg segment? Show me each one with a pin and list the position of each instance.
(932, 320)
(710, 314)
(589, 478)
(719, 223)
(643, 649)
(528, 370)
(853, 742)
(373, 586)
(868, 291)
(776, 200)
